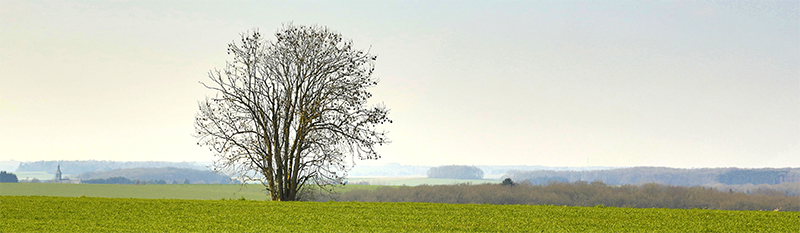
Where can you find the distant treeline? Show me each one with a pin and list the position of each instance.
(123, 180)
(82, 166)
(396, 169)
(580, 193)
(112, 180)
(663, 175)
(502, 170)
(759, 176)
(455, 172)
(168, 175)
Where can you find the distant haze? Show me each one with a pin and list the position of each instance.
(552, 83)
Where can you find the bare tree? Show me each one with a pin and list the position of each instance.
(289, 113)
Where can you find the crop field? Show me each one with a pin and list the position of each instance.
(89, 214)
(150, 191)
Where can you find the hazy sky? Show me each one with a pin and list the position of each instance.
(554, 83)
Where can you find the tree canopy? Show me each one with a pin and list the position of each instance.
(8, 177)
(290, 112)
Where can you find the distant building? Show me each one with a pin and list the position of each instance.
(58, 174)
(60, 179)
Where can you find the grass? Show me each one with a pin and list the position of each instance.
(151, 191)
(88, 214)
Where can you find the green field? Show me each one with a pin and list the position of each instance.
(169, 191)
(154, 191)
(185, 191)
(87, 214)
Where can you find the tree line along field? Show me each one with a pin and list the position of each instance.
(577, 194)
(89, 214)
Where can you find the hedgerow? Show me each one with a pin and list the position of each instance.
(576, 194)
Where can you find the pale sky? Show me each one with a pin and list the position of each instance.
(554, 83)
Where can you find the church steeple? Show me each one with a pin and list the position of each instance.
(58, 174)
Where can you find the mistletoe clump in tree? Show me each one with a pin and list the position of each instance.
(289, 113)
